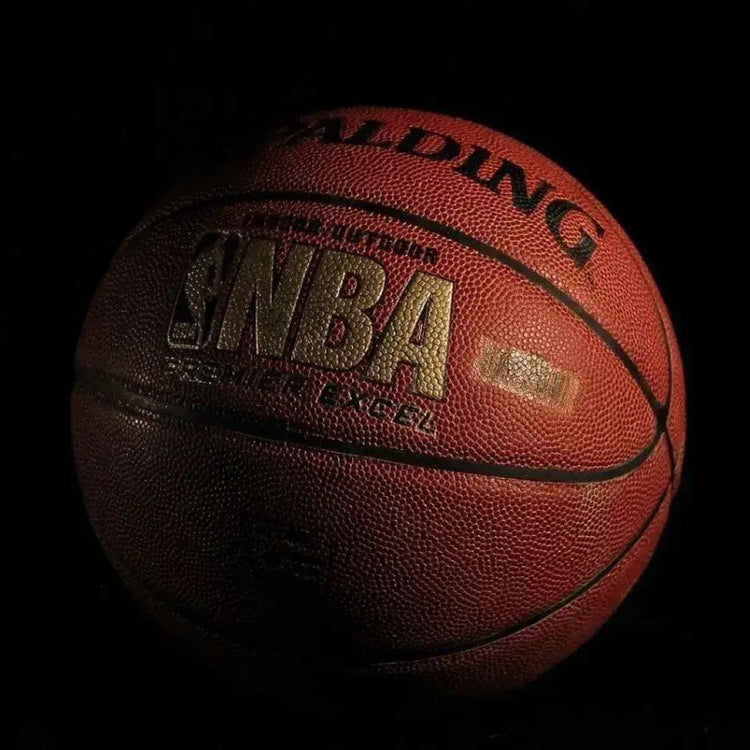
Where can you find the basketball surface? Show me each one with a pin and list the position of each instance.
(393, 405)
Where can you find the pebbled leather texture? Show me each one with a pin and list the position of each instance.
(355, 530)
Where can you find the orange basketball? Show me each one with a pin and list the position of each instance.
(393, 405)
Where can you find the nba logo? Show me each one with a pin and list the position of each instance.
(194, 312)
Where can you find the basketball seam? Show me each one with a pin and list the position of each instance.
(658, 304)
(277, 430)
(375, 658)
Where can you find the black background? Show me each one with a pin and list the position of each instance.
(106, 112)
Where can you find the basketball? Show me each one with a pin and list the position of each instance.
(392, 407)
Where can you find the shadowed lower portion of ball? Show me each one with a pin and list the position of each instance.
(393, 408)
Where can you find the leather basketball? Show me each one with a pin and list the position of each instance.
(393, 405)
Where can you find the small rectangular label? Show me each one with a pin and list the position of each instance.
(527, 375)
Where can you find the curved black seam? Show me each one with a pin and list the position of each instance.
(663, 426)
(379, 658)
(449, 233)
(417, 655)
(663, 415)
(267, 428)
